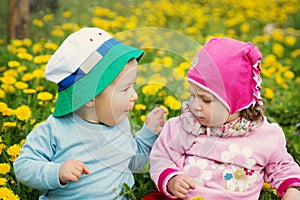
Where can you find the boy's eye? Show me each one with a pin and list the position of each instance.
(126, 89)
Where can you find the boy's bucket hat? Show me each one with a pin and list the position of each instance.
(84, 65)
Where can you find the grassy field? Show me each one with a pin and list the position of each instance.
(170, 32)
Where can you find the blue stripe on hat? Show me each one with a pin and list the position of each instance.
(103, 49)
(75, 76)
(79, 73)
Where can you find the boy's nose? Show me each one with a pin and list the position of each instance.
(134, 96)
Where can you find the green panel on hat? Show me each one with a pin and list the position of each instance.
(93, 83)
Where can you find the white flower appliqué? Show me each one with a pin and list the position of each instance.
(197, 170)
(240, 175)
(239, 157)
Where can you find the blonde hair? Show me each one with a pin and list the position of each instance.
(255, 113)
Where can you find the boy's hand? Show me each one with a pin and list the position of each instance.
(179, 185)
(71, 170)
(155, 119)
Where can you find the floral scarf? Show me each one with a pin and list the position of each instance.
(237, 127)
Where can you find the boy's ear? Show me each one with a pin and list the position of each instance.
(91, 103)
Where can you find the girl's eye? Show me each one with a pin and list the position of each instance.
(206, 100)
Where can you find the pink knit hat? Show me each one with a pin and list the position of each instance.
(230, 70)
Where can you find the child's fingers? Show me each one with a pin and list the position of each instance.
(190, 181)
(86, 170)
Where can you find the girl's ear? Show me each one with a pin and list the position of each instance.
(91, 103)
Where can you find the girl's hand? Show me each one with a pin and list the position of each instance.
(291, 194)
(179, 185)
(71, 170)
(156, 119)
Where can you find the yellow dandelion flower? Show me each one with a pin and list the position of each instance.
(13, 63)
(25, 56)
(172, 103)
(268, 93)
(9, 124)
(21, 85)
(197, 198)
(140, 80)
(7, 194)
(151, 89)
(51, 46)
(278, 79)
(11, 72)
(41, 59)
(12, 196)
(29, 91)
(296, 53)
(278, 49)
(289, 74)
(69, 26)
(23, 113)
(44, 96)
(290, 40)
(167, 61)
(2, 146)
(21, 50)
(266, 186)
(156, 67)
(140, 107)
(179, 73)
(4, 192)
(3, 181)
(7, 112)
(58, 32)
(278, 35)
(2, 94)
(39, 88)
(8, 88)
(269, 60)
(67, 14)
(22, 142)
(16, 42)
(48, 17)
(3, 106)
(192, 30)
(27, 77)
(9, 80)
(14, 150)
(184, 65)
(37, 48)
(143, 118)
(4, 168)
(38, 23)
(244, 28)
(158, 79)
(38, 73)
(27, 42)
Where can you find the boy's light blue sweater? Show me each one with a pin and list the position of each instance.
(111, 153)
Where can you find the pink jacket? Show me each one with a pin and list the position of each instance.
(224, 167)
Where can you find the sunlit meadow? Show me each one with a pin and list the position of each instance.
(170, 32)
